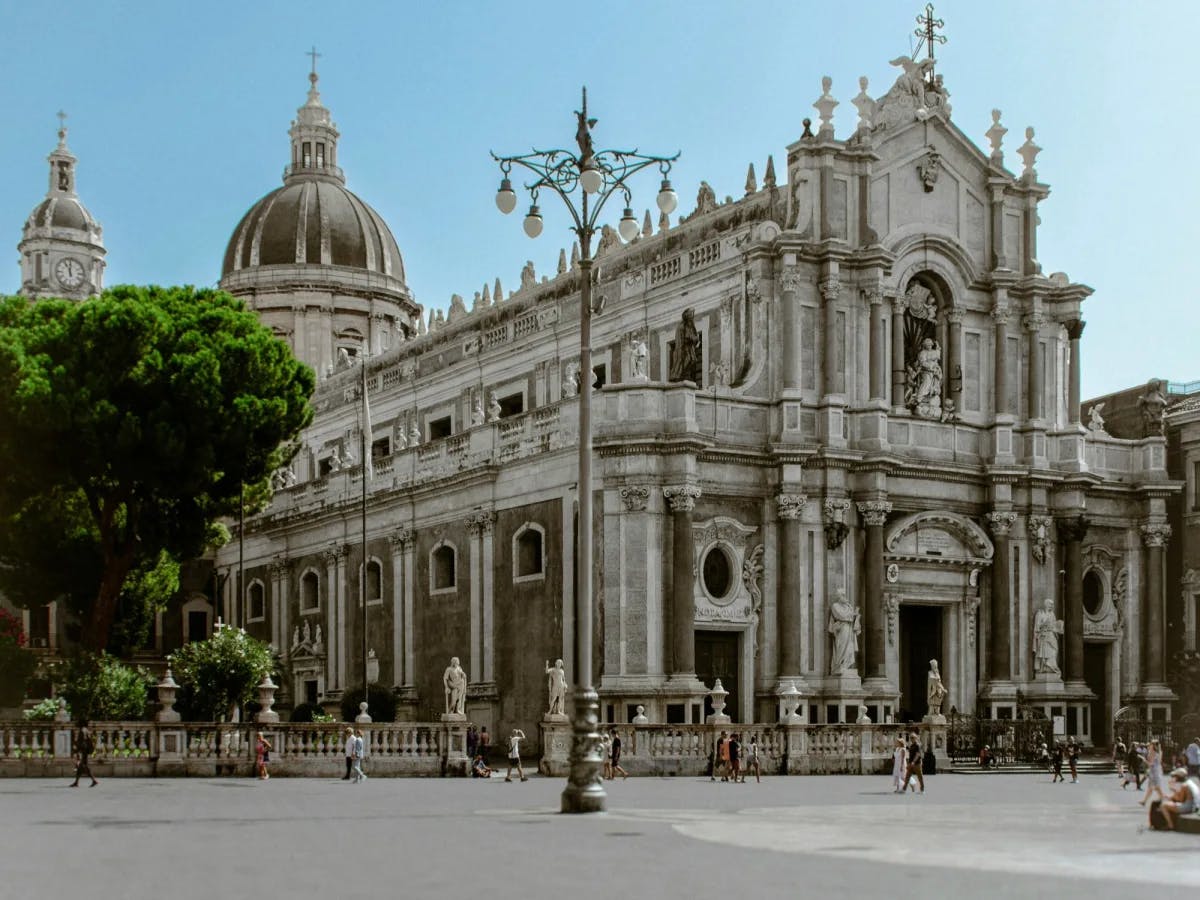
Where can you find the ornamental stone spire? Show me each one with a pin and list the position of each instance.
(314, 137)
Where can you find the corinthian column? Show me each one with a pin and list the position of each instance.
(789, 283)
(899, 373)
(874, 513)
(999, 632)
(1000, 378)
(788, 607)
(682, 500)
(878, 377)
(1153, 605)
(835, 377)
(401, 616)
(1073, 530)
(1033, 325)
(1074, 333)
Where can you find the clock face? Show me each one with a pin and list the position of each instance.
(69, 272)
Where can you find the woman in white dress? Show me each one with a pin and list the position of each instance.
(1154, 772)
(899, 765)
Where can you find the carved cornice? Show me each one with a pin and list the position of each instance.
(682, 498)
(1155, 535)
(831, 289)
(481, 521)
(874, 512)
(1073, 528)
(790, 505)
(1001, 523)
(401, 538)
(635, 497)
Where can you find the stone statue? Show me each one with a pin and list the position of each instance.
(343, 359)
(937, 98)
(307, 634)
(570, 385)
(557, 683)
(318, 642)
(935, 691)
(414, 434)
(458, 309)
(863, 718)
(1095, 420)
(493, 408)
(686, 362)
(477, 412)
(528, 276)
(1152, 404)
(583, 135)
(1046, 629)
(639, 355)
(845, 626)
(296, 636)
(454, 679)
(924, 393)
(609, 239)
(906, 100)
(706, 199)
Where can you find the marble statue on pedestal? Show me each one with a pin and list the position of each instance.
(935, 691)
(639, 353)
(925, 381)
(477, 412)
(454, 679)
(557, 684)
(686, 364)
(1046, 629)
(493, 408)
(845, 625)
(1152, 404)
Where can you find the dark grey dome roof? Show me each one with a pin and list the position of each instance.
(61, 212)
(313, 221)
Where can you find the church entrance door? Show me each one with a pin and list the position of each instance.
(920, 641)
(718, 655)
(1095, 673)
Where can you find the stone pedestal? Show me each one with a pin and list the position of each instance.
(407, 703)
(790, 704)
(454, 718)
(556, 749)
(363, 717)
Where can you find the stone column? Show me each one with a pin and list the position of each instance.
(1074, 333)
(835, 377)
(789, 309)
(475, 607)
(1033, 325)
(482, 525)
(399, 541)
(1154, 605)
(343, 626)
(999, 630)
(954, 371)
(682, 500)
(878, 377)
(874, 513)
(1000, 377)
(279, 604)
(332, 620)
(1072, 530)
(899, 373)
(788, 605)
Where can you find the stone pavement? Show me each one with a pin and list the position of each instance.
(1010, 836)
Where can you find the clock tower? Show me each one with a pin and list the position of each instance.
(62, 251)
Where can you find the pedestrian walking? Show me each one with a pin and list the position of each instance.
(360, 752)
(1119, 753)
(1073, 760)
(1058, 762)
(614, 765)
(899, 765)
(1192, 755)
(915, 769)
(348, 749)
(84, 745)
(1044, 758)
(514, 754)
(472, 741)
(735, 757)
(485, 744)
(606, 756)
(1154, 772)
(723, 755)
(753, 763)
(1133, 767)
(262, 756)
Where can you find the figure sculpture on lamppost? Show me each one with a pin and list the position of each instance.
(591, 177)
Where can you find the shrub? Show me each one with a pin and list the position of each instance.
(221, 673)
(381, 704)
(17, 662)
(305, 712)
(101, 687)
(44, 711)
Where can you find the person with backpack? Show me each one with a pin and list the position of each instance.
(84, 746)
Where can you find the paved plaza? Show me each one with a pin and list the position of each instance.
(974, 836)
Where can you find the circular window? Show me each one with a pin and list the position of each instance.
(717, 572)
(1093, 593)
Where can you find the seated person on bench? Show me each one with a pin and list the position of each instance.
(1184, 797)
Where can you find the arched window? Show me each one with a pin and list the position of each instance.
(1093, 593)
(442, 573)
(256, 602)
(374, 581)
(310, 592)
(529, 553)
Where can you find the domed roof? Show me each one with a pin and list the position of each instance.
(61, 212)
(317, 221)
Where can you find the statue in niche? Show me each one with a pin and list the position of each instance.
(845, 625)
(454, 680)
(686, 358)
(477, 415)
(414, 434)
(923, 355)
(557, 684)
(935, 691)
(493, 408)
(1046, 629)
(1152, 404)
(528, 276)
(639, 355)
(64, 177)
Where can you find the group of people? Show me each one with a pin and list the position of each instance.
(729, 755)
(908, 766)
(478, 744)
(1177, 793)
(355, 750)
(1063, 752)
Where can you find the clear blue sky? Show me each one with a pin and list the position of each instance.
(179, 115)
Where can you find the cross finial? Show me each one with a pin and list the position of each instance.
(62, 124)
(926, 33)
(315, 55)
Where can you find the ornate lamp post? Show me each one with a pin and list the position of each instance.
(600, 175)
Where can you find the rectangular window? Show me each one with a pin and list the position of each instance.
(307, 153)
(600, 376)
(440, 428)
(381, 448)
(320, 156)
(324, 467)
(512, 405)
(971, 365)
(808, 347)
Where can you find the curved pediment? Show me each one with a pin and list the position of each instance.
(939, 536)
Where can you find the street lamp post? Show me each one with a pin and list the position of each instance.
(599, 174)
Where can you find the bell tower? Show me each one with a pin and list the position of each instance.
(62, 249)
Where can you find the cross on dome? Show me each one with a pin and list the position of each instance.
(927, 36)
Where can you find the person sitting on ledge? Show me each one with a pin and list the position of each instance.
(479, 769)
(1183, 798)
(985, 757)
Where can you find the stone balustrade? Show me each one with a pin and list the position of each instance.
(148, 749)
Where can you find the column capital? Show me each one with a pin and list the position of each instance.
(1039, 535)
(682, 497)
(279, 566)
(635, 497)
(873, 295)
(835, 509)
(1155, 534)
(831, 288)
(790, 505)
(874, 512)
(899, 303)
(1033, 322)
(955, 314)
(1074, 328)
(1001, 313)
(481, 521)
(790, 279)
(336, 554)
(1001, 522)
(1073, 528)
(401, 538)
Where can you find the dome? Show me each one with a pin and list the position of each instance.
(316, 221)
(61, 212)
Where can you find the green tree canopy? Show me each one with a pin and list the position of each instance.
(220, 673)
(131, 422)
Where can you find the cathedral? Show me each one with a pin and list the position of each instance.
(836, 437)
